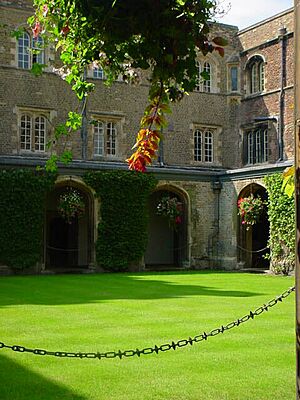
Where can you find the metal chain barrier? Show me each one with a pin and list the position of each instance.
(252, 251)
(156, 349)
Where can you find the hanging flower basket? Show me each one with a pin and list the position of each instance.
(172, 209)
(250, 209)
(71, 205)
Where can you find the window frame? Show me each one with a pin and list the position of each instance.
(204, 86)
(232, 88)
(98, 73)
(207, 83)
(257, 145)
(198, 145)
(256, 75)
(109, 137)
(33, 126)
(33, 53)
(204, 139)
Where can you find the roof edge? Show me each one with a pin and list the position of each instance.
(265, 21)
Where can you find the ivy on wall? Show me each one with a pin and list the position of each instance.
(281, 213)
(22, 214)
(123, 225)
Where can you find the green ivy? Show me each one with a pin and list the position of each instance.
(22, 216)
(281, 213)
(123, 224)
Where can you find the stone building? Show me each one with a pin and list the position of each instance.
(221, 141)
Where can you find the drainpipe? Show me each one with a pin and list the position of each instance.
(282, 41)
(160, 158)
(83, 131)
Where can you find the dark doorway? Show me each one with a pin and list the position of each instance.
(253, 240)
(167, 243)
(68, 242)
(63, 243)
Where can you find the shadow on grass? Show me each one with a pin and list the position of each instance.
(19, 383)
(82, 289)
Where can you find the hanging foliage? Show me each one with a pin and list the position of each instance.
(71, 205)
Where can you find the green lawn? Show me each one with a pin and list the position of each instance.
(255, 361)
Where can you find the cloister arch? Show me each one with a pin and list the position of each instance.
(168, 244)
(253, 240)
(69, 244)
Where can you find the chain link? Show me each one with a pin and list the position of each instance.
(156, 349)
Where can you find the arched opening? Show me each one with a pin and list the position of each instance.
(253, 239)
(167, 245)
(68, 240)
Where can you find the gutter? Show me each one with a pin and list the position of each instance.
(79, 167)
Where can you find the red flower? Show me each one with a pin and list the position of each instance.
(178, 220)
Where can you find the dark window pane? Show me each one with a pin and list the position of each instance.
(234, 78)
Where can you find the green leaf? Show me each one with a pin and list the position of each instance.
(66, 157)
(31, 20)
(60, 130)
(37, 69)
(51, 164)
(17, 33)
(74, 120)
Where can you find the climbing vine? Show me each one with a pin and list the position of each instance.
(123, 216)
(281, 213)
(22, 205)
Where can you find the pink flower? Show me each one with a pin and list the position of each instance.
(37, 29)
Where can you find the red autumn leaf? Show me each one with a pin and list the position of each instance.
(65, 30)
(220, 50)
(36, 29)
